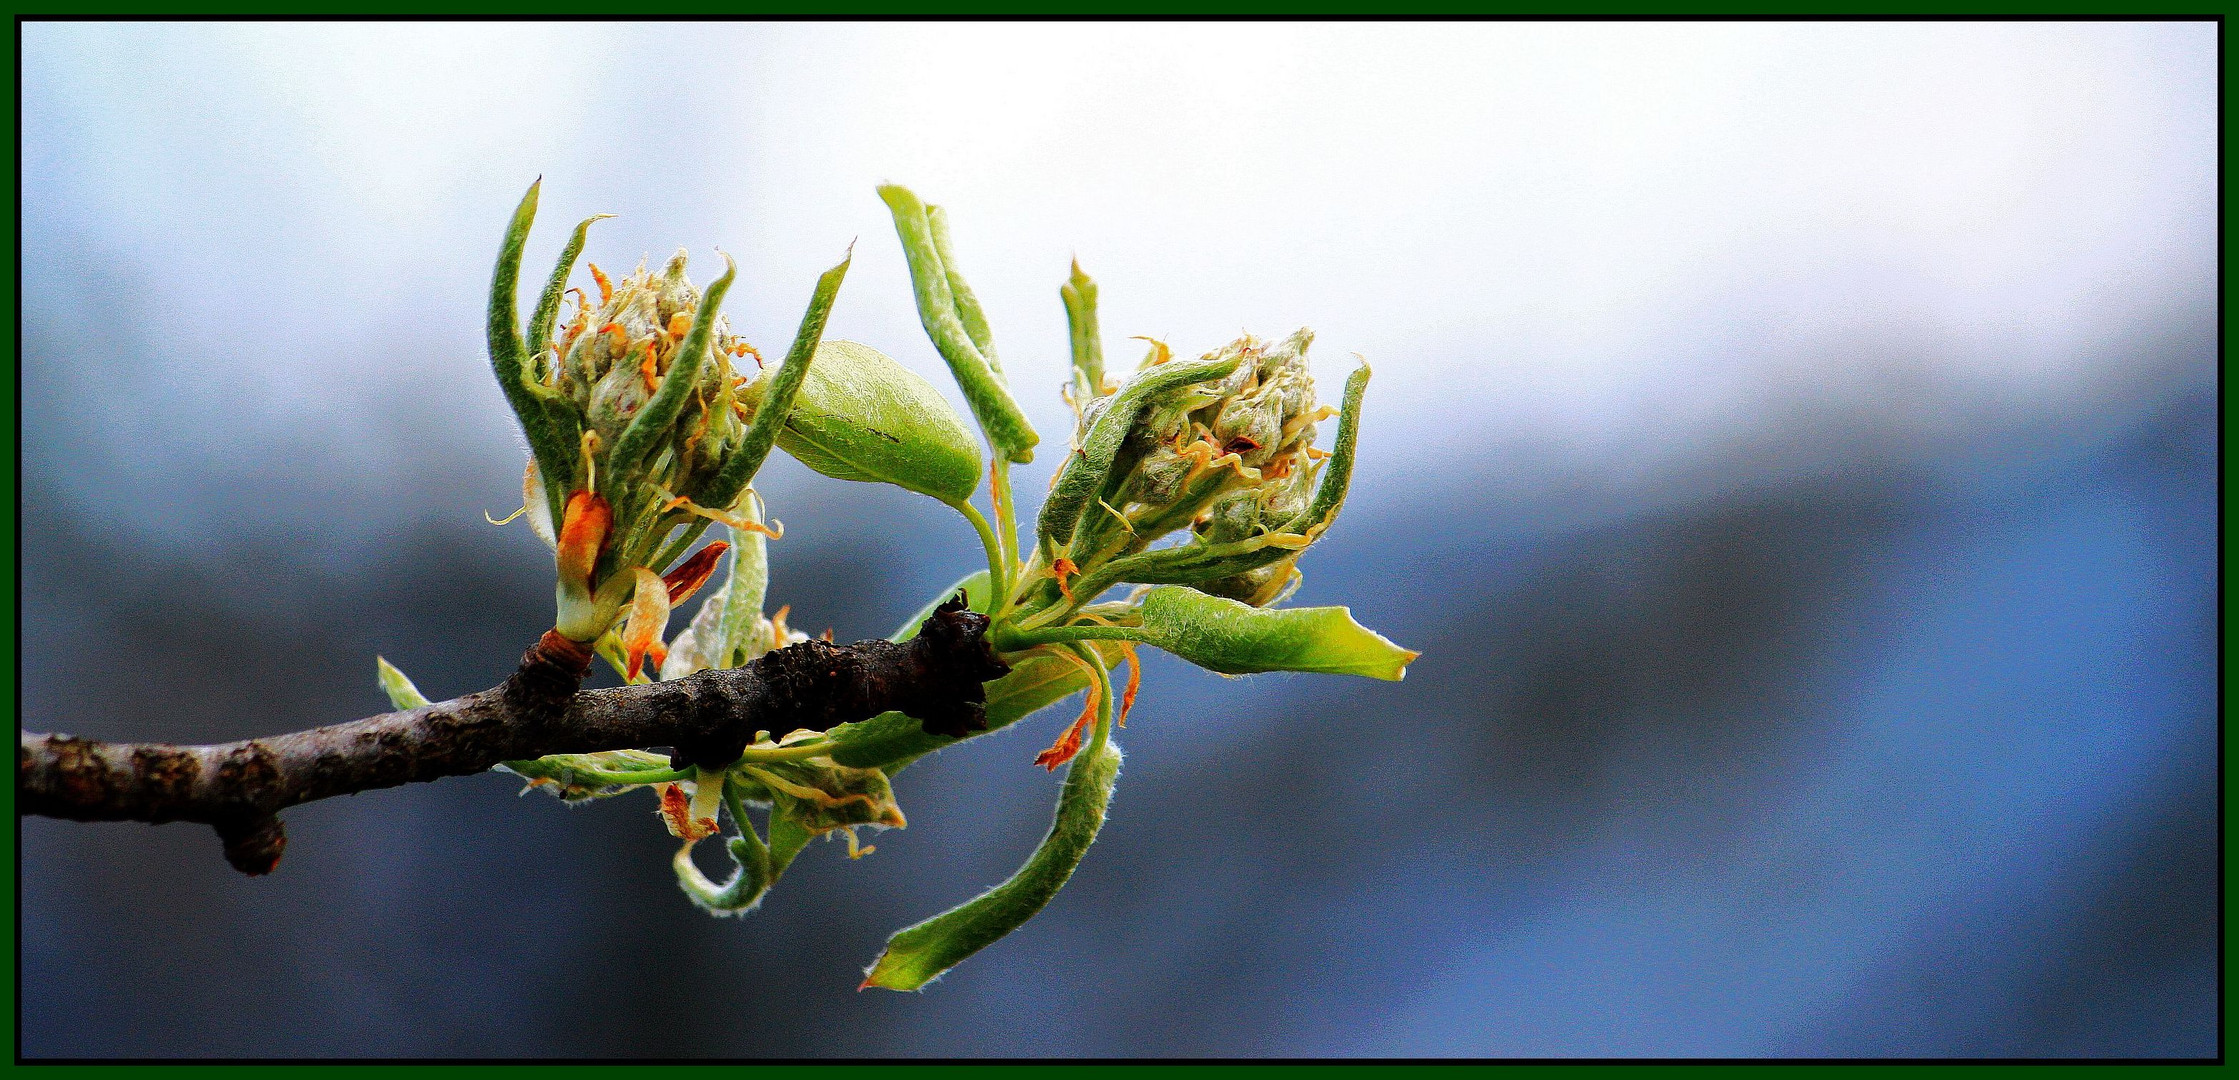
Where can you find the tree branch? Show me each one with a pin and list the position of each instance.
(709, 719)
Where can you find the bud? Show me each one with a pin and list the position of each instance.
(630, 406)
(1223, 446)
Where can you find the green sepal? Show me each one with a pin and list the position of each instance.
(783, 391)
(652, 421)
(861, 416)
(1087, 470)
(919, 954)
(402, 693)
(999, 415)
(1232, 638)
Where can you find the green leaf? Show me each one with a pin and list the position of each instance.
(937, 309)
(861, 416)
(402, 693)
(1238, 639)
(977, 597)
(919, 954)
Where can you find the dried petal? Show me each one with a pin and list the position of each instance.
(687, 578)
(649, 618)
(583, 536)
(676, 813)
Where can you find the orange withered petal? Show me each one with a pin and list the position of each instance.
(583, 536)
(692, 573)
(676, 813)
(1062, 569)
(1069, 743)
(1134, 683)
(606, 288)
(649, 617)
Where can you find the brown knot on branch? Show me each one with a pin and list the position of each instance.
(240, 787)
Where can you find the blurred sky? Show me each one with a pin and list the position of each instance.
(1929, 304)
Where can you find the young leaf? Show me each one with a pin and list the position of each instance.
(1038, 680)
(402, 693)
(919, 954)
(548, 305)
(577, 778)
(861, 416)
(1238, 639)
(1337, 476)
(741, 618)
(967, 303)
(746, 887)
(999, 415)
(977, 597)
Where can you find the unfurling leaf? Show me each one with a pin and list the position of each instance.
(821, 797)
(576, 778)
(919, 954)
(1238, 639)
(861, 416)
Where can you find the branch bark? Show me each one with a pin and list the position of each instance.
(709, 718)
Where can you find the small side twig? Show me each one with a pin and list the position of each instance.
(240, 787)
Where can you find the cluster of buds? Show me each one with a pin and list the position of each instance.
(1222, 446)
(638, 436)
(642, 432)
